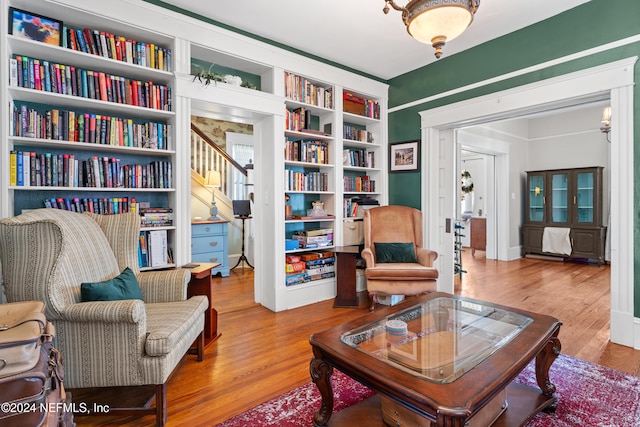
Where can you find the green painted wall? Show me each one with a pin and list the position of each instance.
(587, 26)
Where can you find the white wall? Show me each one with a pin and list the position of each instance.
(570, 140)
(566, 138)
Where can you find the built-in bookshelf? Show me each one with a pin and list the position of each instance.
(309, 183)
(91, 120)
(316, 88)
(363, 161)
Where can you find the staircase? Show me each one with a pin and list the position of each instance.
(205, 156)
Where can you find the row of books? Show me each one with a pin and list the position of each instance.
(358, 157)
(360, 105)
(297, 119)
(300, 89)
(353, 206)
(307, 151)
(117, 47)
(357, 184)
(156, 217)
(350, 208)
(354, 133)
(42, 75)
(29, 169)
(307, 267)
(306, 181)
(153, 250)
(102, 206)
(68, 125)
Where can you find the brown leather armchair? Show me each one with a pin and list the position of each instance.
(397, 264)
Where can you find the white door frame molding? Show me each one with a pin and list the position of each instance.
(614, 81)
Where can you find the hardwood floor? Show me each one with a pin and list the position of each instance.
(262, 354)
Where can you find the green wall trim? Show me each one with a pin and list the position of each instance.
(262, 39)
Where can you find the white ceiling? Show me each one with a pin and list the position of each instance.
(356, 33)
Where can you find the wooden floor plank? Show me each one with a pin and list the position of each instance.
(262, 354)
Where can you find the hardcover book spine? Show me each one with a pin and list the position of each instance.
(36, 75)
(61, 71)
(69, 81)
(13, 72)
(26, 168)
(103, 86)
(55, 132)
(73, 131)
(18, 60)
(91, 92)
(32, 83)
(25, 72)
(48, 170)
(13, 168)
(54, 170)
(65, 36)
(56, 77)
(19, 169)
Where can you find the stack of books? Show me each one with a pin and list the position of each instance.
(156, 217)
(310, 266)
(314, 238)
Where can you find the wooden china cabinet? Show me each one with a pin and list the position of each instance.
(570, 198)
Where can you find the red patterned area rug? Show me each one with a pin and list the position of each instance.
(589, 396)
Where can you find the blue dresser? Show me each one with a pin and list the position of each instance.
(209, 243)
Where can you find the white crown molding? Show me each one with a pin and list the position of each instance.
(517, 73)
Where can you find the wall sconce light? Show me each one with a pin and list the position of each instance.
(213, 181)
(606, 122)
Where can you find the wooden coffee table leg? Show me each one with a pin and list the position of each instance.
(544, 360)
(321, 373)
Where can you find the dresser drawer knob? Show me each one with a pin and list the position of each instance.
(213, 259)
(207, 229)
(213, 243)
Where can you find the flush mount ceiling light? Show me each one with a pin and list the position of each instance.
(436, 21)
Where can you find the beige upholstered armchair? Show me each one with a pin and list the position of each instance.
(397, 264)
(46, 255)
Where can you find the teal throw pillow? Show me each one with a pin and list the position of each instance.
(395, 252)
(123, 286)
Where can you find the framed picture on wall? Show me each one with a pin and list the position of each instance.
(34, 27)
(404, 156)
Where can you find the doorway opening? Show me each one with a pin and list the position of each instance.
(612, 81)
(476, 210)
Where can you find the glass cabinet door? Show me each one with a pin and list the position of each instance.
(536, 198)
(560, 197)
(584, 198)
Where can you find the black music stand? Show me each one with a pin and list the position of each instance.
(242, 210)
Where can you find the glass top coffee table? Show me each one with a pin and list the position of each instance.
(440, 359)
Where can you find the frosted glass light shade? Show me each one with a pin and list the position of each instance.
(606, 115)
(436, 21)
(443, 21)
